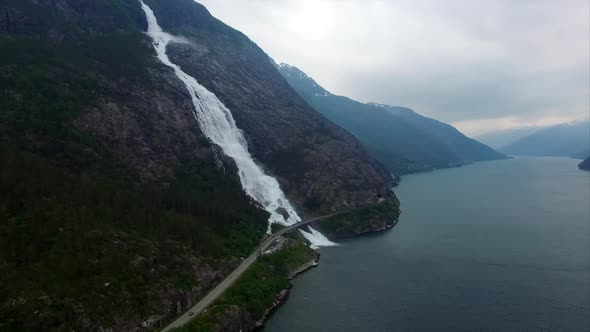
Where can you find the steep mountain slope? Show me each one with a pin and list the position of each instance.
(116, 212)
(113, 209)
(467, 149)
(564, 140)
(585, 165)
(319, 165)
(400, 138)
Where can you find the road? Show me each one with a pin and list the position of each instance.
(229, 280)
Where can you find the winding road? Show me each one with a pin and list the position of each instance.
(229, 280)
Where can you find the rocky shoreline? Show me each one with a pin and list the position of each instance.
(284, 294)
(380, 229)
(238, 316)
(371, 219)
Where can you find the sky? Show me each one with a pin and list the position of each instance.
(481, 65)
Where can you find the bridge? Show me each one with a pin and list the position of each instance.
(216, 292)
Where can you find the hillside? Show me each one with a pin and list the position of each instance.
(468, 150)
(585, 165)
(117, 211)
(564, 140)
(401, 139)
(321, 167)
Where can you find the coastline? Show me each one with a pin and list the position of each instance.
(283, 295)
(260, 292)
(430, 239)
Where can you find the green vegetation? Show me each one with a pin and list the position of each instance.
(276, 227)
(87, 240)
(63, 235)
(84, 242)
(359, 220)
(256, 290)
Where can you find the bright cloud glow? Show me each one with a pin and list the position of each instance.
(478, 127)
(482, 65)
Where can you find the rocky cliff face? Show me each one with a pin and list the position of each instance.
(321, 167)
(134, 107)
(113, 212)
(109, 189)
(146, 120)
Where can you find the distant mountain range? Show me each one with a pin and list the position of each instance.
(501, 138)
(563, 140)
(401, 139)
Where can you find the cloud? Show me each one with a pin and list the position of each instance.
(461, 61)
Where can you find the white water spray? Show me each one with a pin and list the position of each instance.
(217, 123)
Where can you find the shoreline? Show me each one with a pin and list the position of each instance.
(283, 296)
(379, 254)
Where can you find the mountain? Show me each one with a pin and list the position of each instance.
(501, 138)
(467, 149)
(585, 165)
(581, 154)
(313, 159)
(400, 138)
(120, 206)
(563, 140)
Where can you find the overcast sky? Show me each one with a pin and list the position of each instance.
(480, 65)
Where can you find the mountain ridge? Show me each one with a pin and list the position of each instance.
(570, 139)
(501, 138)
(400, 138)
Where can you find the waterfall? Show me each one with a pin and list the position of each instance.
(217, 123)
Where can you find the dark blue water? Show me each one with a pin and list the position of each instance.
(496, 246)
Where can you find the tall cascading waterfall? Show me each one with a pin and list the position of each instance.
(218, 124)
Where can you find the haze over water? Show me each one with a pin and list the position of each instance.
(495, 246)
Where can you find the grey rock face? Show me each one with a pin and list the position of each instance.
(151, 130)
(321, 167)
